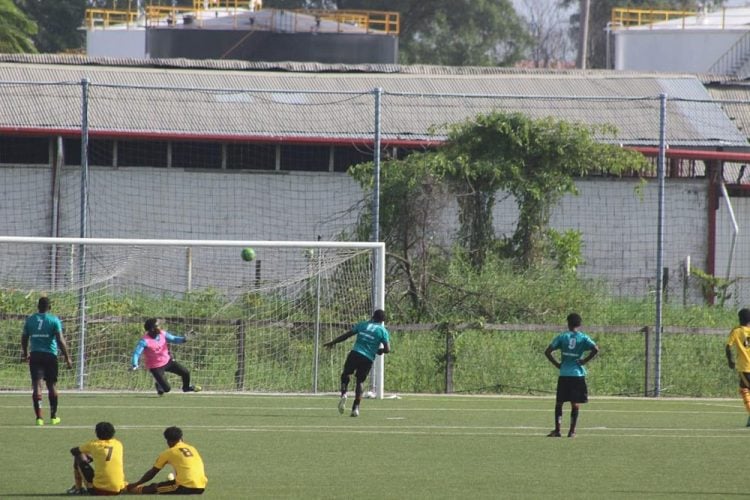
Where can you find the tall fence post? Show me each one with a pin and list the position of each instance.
(239, 375)
(449, 361)
(660, 242)
(83, 232)
(377, 296)
(647, 361)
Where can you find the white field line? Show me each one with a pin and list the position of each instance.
(436, 430)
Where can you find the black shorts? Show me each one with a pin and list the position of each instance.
(43, 365)
(572, 389)
(359, 364)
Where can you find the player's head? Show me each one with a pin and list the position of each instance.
(173, 434)
(744, 316)
(151, 324)
(574, 321)
(105, 430)
(43, 304)
(378, 316)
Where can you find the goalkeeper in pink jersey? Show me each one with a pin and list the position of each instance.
(154, 346)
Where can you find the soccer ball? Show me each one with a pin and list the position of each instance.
(248, 254)
(170, 476)
(369, 395)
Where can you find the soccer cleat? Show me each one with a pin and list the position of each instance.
(554, 434)
(342, 404)
(571, 434)
(74, 490)
(39, 422)
(158, 389)
(54, 420)
(748, 422)
(355, 412)
(193, 388)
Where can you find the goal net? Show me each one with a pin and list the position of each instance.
(254, 325)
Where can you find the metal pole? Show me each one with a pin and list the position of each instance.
(583, 47)
(83, 232)
(660, 243)
(316, 360)
(377, 260)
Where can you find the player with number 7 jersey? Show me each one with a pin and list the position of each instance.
(99, 464)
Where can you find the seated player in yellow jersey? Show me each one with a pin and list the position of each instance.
(106, 476)
(190, 476)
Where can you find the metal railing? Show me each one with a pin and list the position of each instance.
(627, 17)
(340, 21)
(735, 60)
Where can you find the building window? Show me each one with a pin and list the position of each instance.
(251, 156)
(142, 153)
(306, 158)
(100, 152)
(199, 155)
(345, 157)
(24, 150)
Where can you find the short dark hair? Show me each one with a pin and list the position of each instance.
(744, 316)
(574, 320)
(378, 316)
(43, 304)
(150, 323)
(172, 434)
(105, 430)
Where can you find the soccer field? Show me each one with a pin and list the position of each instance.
(413, 447)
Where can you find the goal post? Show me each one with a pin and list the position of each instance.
(254, 326)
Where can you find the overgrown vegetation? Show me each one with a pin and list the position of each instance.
(536, 161)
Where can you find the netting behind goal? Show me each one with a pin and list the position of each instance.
(251, 326)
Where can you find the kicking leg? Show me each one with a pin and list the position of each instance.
(182, 372)
(162, 385)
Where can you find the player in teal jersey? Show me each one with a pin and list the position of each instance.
(372, 339)
(571, 384)
(43, 336)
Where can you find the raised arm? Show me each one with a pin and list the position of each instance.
(340, 338)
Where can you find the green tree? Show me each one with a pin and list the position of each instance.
(447, 32)
(59, 23)
(16, 29)
(412, 197)
(536, 161)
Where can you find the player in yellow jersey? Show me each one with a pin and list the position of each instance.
(739, 339)
(190, 476)
(106, 476)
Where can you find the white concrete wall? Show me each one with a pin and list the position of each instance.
(617, 217)
(117, 43)
(689, 51)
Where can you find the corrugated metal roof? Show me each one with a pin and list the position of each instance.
(277, 100)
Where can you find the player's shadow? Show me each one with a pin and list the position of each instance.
(35, 495)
